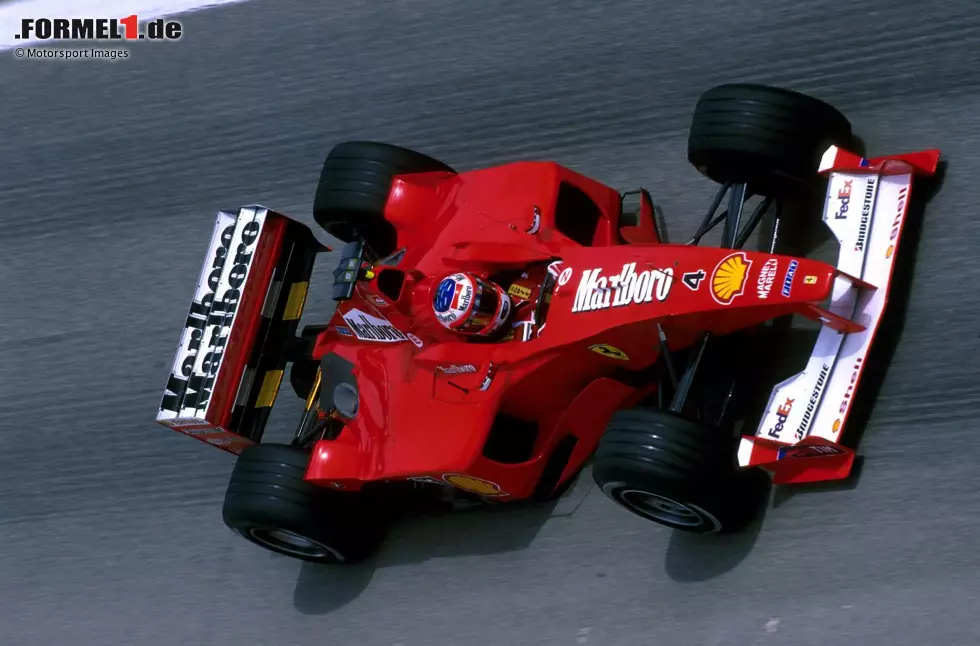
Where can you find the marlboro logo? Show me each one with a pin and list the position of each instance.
(598, 292)
(372, 328)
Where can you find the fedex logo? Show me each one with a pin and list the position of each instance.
(844, 195)
(782, 414)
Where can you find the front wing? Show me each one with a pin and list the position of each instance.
(866, 206)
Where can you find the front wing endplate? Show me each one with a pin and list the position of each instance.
(866, 206)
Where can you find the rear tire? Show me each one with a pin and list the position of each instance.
(270, 504)
(768, 137)
(677, 472)
(353, 190)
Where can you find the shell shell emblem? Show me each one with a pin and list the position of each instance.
(474, 485)
(729, 278)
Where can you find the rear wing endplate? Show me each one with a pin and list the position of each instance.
(240, 328)
(865, 208)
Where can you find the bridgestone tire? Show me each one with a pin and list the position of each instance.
(268, 503)
(677, 472)
(353, 189)
(768, 137)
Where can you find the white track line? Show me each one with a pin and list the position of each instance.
(11, 14)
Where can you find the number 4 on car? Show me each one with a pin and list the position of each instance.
(496, 330)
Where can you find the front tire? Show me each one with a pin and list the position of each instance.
(269, 504)
(768, 137)
(676, 472)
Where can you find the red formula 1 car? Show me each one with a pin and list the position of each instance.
(496, 329)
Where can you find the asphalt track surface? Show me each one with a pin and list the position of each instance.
(110, 529)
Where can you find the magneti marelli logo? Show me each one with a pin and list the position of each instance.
(98, 29)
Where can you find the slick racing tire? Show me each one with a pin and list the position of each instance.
(270, 504)
(353, 190)
(770, 138)
(677, 472)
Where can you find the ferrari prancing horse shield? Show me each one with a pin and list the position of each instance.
(609, 351)
(477, 486)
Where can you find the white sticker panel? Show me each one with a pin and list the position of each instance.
(190, 338)
(891, 210)
(212, 314)
(865, 212)
(372, 328)
(224, 309)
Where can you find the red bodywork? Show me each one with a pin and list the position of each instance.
(417, 421)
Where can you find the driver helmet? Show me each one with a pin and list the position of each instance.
(468, 304)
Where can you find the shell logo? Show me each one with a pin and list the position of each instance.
(729, 278)
(836, 426)
(474, 485)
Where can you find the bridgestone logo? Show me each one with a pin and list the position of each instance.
(869, 200)
(811, 405)
(597, 292)
(372, 328)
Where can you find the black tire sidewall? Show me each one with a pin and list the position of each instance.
(245, 516)
(353, 189)
(769, 137)
(663, 454)
(615, 482)
(727, 503)
(266, 491)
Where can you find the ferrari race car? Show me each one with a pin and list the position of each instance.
(498, 329)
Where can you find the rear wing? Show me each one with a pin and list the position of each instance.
(866, 205)
(241, 325)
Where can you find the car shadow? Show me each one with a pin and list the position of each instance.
(693, 558)
(434, 529)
